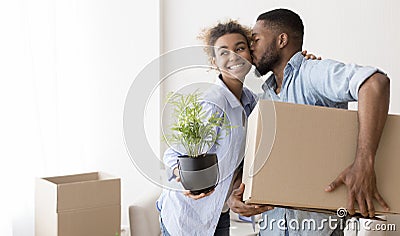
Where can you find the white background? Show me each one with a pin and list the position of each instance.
(357, 31)
(66, 66)
(65, 69)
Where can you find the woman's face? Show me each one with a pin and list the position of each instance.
(232, 56)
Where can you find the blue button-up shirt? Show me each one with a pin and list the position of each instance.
(314, 82)
(184, 216)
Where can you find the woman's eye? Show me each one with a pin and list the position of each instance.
(224, 53)
(240, 49)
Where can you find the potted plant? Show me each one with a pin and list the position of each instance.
(196, 134)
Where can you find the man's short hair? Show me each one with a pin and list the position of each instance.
(284, 21)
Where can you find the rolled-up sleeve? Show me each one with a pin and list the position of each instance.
(336, 81)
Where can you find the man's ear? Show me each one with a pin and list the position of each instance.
(283, 40)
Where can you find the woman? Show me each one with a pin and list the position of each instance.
(205, 214)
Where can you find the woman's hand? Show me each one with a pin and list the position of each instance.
(187, 193)
(197, 197)
(176, 173)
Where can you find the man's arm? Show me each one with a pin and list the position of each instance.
(360, 178)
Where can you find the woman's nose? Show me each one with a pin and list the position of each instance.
(233, 56)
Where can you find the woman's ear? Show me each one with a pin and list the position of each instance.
(213, 63)
(283, 40)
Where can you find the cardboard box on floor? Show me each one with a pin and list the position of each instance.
(78, 205)
(302, 149)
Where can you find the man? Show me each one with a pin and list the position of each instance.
(277, 45)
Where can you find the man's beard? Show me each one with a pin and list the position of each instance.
(267, 61)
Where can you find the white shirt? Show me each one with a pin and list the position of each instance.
(184, 216)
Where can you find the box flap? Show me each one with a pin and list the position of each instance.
(87, 190)
(73, 178)
(261, 129)
(45, 208)
(251, 143)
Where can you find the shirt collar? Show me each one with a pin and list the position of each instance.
(270, 83)
(232, 100)
(294, 63)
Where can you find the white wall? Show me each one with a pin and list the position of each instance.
(65, 69)
(359, 31)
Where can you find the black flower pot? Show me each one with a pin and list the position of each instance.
(199, 174)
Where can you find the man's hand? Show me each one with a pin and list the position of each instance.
(187, 193)
(238, 206)
(310, 56)
(360, 180)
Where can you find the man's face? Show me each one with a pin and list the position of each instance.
(264, 49)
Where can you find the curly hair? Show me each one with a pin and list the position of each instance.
(210, 35)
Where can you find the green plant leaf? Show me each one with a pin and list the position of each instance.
(191, 128)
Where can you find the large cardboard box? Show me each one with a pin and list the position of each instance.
(294, 151)
(78, 205)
